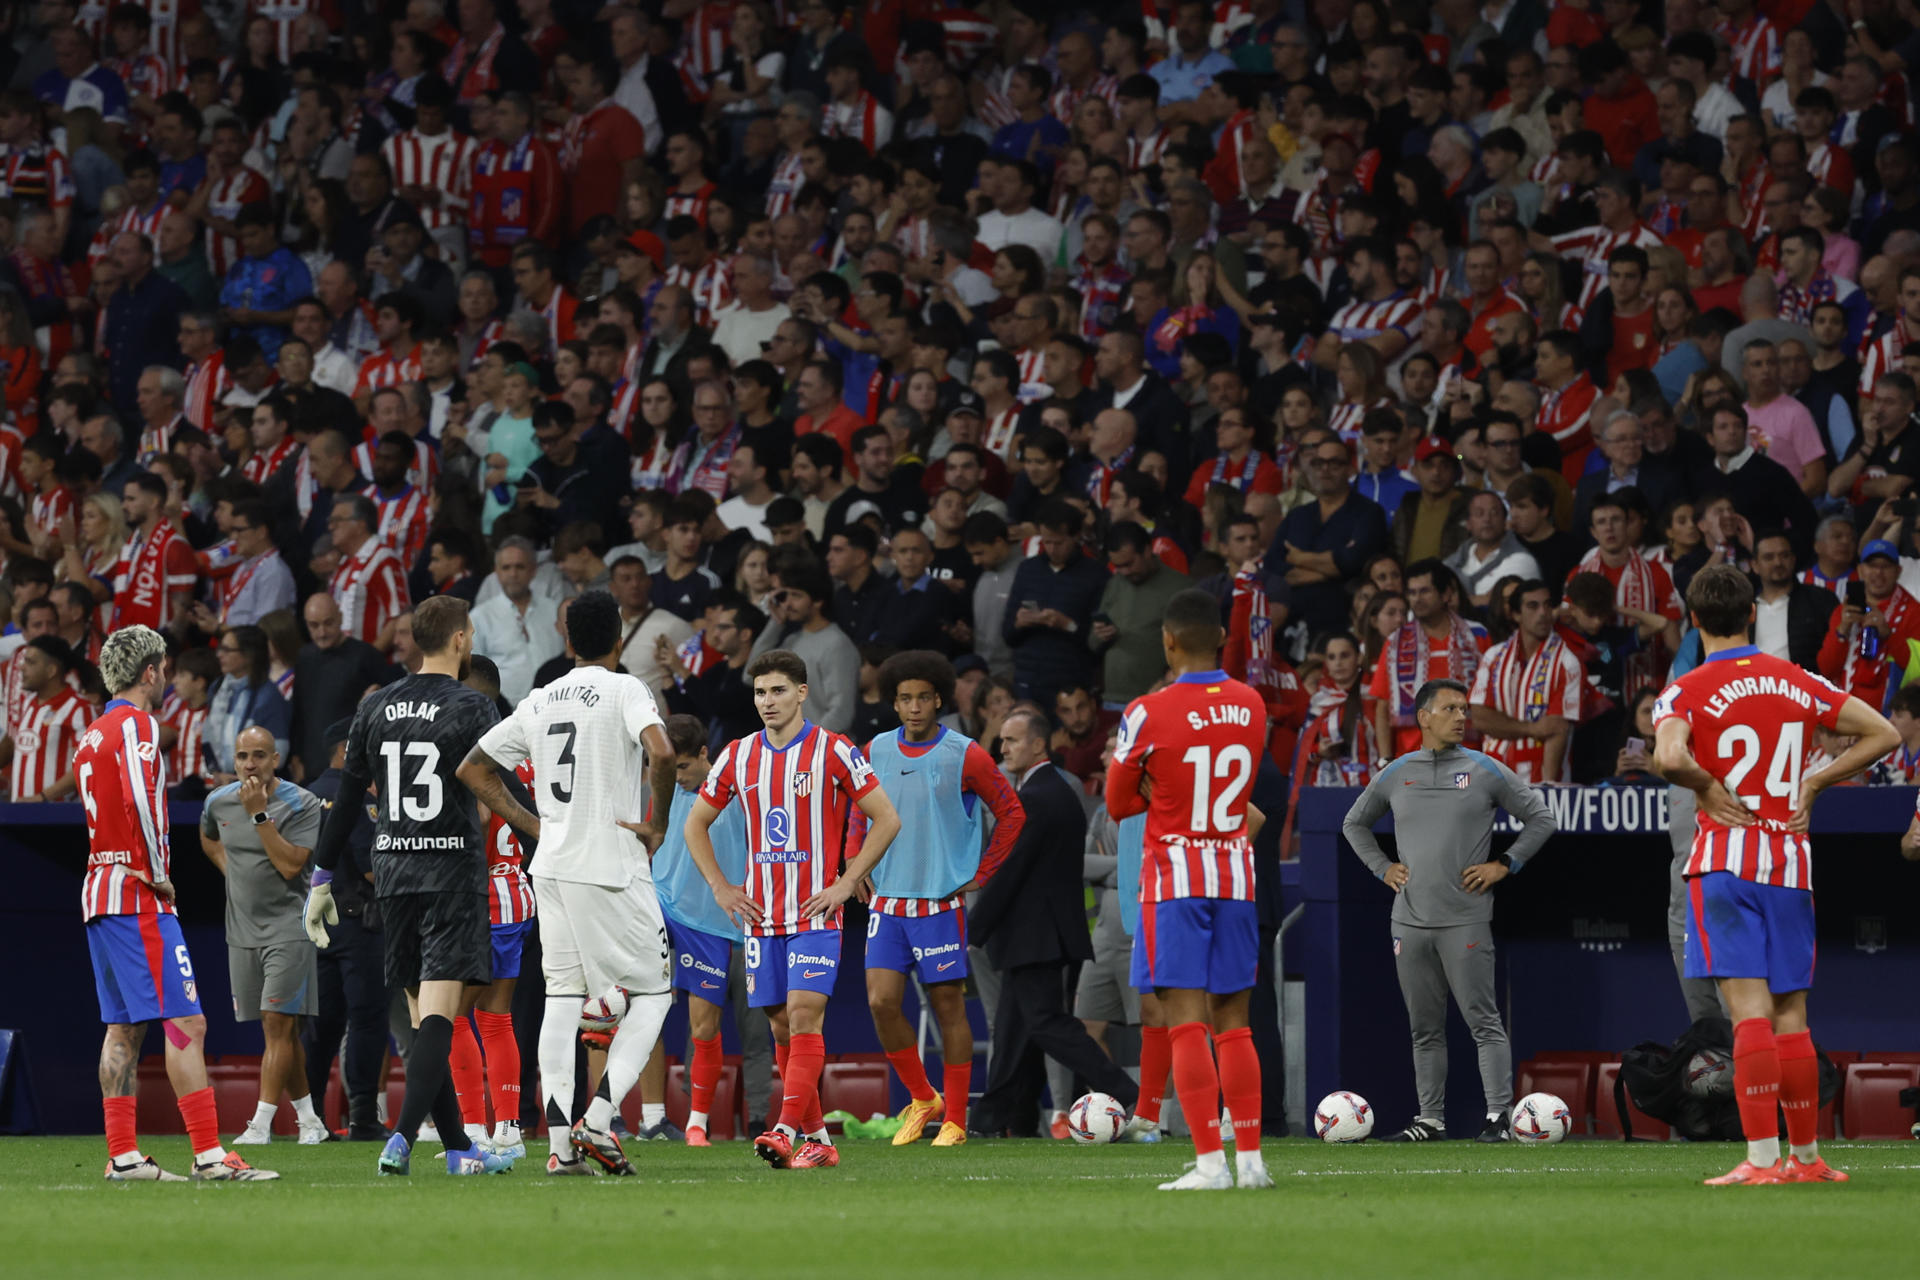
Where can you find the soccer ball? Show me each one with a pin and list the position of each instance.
(1709, 1073)
(601, 1015)
(1541, 1118)
(1096, 1118)
(1343, 1117)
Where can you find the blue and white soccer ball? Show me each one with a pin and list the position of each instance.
(1343, 1117)
(601, 1015)
(1096, 1118)
(1541, 1118)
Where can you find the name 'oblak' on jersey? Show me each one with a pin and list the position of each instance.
(1199, 740)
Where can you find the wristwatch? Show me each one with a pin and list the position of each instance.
(261, 819)
(1501, 858)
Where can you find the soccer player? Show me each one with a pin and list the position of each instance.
(51, 722)
(429, 869)
(600, 926)
(937, 781)
(141, 968)
(794, 780)
(1196, 744)
(1734, 731)
(703, 937)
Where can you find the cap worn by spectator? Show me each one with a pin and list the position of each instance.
(1879, 547)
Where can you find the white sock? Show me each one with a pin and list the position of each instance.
(1764, 1152)
(303, 1111)
(696, 1119)
(127, 1159)
(787, 1129)
(263, 1113)
(1807, 1154)
(627, 1055)
(507, 1129)
(821, 1136)
(1249, 1161)
(559, 1027)
(380, 1107)
(1211, 1163)
(1494, 1115)
(212, 1155)
(652, 1113)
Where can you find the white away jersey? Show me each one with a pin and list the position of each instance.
(582, 733)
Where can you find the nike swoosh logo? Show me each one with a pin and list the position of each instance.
(1472, 945)
(709, 986)
(1406, 782)
(905, 772)
(948, 965)
(813, 973)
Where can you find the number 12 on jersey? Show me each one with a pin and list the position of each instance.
(1233, 765)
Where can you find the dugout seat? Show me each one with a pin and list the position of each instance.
(1567, 1078)
(720, 1116)
(1606, 1117)
(235, 1079)
(859, 1088)
(1871, 1099)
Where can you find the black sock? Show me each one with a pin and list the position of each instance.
(446, 1116)
(427, 1074)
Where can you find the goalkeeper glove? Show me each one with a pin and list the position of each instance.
(321, 911)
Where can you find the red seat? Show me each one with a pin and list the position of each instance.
(1606, 1117)
(1570, 1081)
(1892, 1055)
(859, 1088)
(1872, 1099)
(720, 1115)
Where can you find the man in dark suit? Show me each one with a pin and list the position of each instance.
(1755, 482)
(1623, 440)
(1032, 920)
(1127, 383)
(1790, 616)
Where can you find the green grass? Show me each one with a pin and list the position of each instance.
(986, 1209)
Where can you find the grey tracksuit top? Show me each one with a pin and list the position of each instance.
(1443, 803)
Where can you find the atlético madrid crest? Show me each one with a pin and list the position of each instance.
(803, 784)
(1460, 781)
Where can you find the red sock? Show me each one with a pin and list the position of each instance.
(1756, 1079)
(1800, 1087)
(503, 1065)
(1240, 1085)
(913, 1073)
(704, 1073)
(782, 1053)
(121, 1136)
(468, 1072)
(800, 1107)
(203, 1120)
(959, 1083)
(1156, 1060)
(1197, 1084)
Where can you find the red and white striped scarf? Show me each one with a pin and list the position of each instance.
(1412, 649)
(1251, 583)
(1637, 588)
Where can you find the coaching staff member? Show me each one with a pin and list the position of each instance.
(1443, 797)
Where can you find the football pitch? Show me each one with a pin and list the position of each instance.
(987, 1209)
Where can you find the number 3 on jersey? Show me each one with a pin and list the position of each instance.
(1783, 771)
(1214, 812)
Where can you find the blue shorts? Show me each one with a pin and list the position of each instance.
(1197, 944)
(509, 940)
(780, 965)
(700, 961)
(933, 946)
(141, 970)
(1739, 929)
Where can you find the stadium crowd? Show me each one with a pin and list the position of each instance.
(1432, 339)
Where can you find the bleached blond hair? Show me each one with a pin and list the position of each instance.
(128, 652)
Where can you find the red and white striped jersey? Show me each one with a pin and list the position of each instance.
(1142, 152)
(384, 369)
(262, 467)
(146, 73)
(228, 196)
(370, 586)
(421, 475)
(1358, 321)
(147, 575)
(440, 162)
(1199, 740)
(403, 520)
(1900, 768)
(122, 779)
(968, 35)
(796, 799)
(788, 178)
(207, 382)
(1882, 355)
(1831, 166)
(1567, 416)
(864, 120)
(703, 36)
(190, 726)
(1349, 415)
(283, 14)
(140, 222)
(155, 441)
(1067, 99)
(509, 892)
(1752, 718)
(1814, 578)
(50, 508)
(1000, 432)
(164, 37)
(1589, 246)
(691, 204)
(1755, 47)
(1527, 687)
(1032, 385)
(711, 286)
(44, 740)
